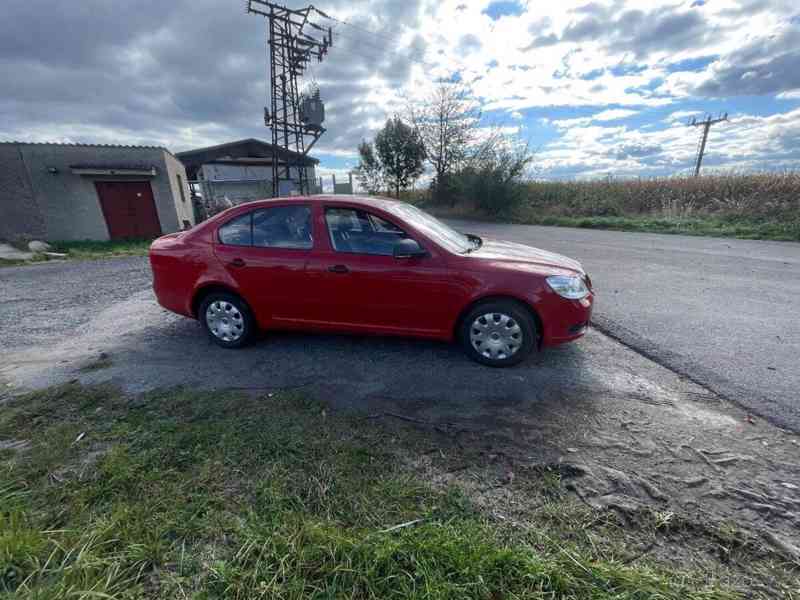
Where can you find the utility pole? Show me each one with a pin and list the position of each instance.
(706, 125)
(296, 121)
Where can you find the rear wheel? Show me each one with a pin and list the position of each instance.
(498, 333)
(227, 319)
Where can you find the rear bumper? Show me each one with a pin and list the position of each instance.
(170, 291)
(565, 320)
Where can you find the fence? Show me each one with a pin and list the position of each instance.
(212, 196)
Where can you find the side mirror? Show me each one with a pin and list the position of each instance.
(408, 248)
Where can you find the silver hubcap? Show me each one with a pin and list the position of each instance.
(495, 335)
(225, 321)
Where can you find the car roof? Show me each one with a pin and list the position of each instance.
(367, 201)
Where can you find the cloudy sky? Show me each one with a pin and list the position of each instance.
(596, 89)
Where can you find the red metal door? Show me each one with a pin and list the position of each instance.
(129, 209)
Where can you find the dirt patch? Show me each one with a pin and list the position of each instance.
(101, 361)
(632, 445)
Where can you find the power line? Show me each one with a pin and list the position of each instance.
(397, 42)
(359, 27)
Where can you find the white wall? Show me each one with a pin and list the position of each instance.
(180, 189)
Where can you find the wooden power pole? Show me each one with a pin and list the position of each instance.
(706, 125)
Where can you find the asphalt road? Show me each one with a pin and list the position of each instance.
(723, 312)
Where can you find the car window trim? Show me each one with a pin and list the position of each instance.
(252, 212)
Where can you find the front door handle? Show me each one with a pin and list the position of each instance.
(237, 262)
(338, 269)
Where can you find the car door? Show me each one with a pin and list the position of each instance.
(363, 287)
(266, 251)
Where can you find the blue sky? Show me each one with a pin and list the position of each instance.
(595, 88)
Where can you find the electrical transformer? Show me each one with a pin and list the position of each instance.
(312, 110)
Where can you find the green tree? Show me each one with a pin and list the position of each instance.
(369, 172)
(401, 154)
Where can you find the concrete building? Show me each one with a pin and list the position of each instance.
(91, 192)
(240, 171)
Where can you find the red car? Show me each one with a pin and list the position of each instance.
(368, 265)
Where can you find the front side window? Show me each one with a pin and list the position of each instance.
(278, 227)
(360, 232)
(431, 227)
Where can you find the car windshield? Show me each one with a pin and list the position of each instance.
(434, 228)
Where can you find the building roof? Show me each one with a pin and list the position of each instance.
(78, 144)
(82, 145)
(249, 148)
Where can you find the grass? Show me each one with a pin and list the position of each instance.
(750, 206)
(703, 226)
(749, 229)
(5, 262)
(88, 249)
(184, 494)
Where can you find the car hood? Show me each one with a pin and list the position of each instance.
(511, 252)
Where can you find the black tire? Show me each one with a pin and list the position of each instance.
(239, 319)
(518, 320)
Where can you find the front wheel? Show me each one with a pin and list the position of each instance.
(227, 320)
(498, 333)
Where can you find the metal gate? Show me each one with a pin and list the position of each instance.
(129, 209)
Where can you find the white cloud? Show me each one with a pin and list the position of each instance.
(682, 115)
(95, 71)
(613, 114)
(740, 144)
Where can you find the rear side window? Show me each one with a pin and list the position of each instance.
(283, 227)
(238, 232)
(278, 227)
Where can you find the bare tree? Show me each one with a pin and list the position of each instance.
(447, 122)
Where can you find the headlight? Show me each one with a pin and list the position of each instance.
(565, 286)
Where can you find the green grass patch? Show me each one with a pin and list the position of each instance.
(5, 262)
(729, 227)
(88, 249)
(184, 494)
(715, 227)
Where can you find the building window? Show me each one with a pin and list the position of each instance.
(180, 187)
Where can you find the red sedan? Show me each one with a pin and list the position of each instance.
(368, 265)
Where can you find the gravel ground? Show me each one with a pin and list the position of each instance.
(719, 311)
(45, 302)
(626, 431)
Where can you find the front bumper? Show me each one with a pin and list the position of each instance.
(565, 320)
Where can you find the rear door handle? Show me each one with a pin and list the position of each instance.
(338, 269)
(237, 262)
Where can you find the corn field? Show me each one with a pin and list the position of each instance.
(757, 197)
